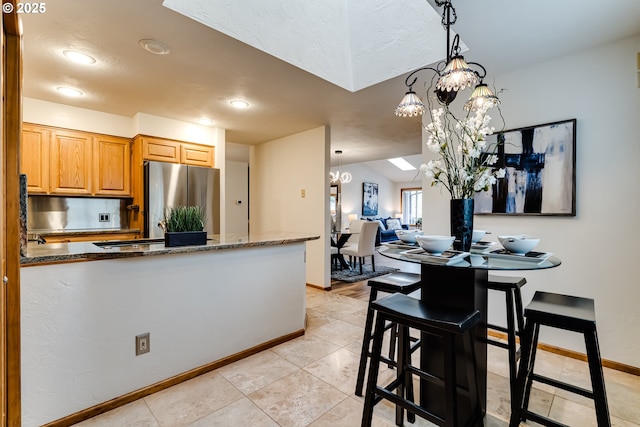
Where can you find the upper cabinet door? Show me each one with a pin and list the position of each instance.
(34, 158)
(161, 150)
(71, 162)
(112, 166)
(196, 154)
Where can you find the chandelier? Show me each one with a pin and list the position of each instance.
(337, 176)
(454, 75)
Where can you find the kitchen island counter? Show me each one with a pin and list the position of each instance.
(87, 251)
(203, 306)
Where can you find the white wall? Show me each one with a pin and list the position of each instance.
(280, 170)
(599, 246)
(388, 197)
(60, 115)
(65, 116)
(237, 206)
(79, 320)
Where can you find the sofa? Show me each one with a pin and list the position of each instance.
(387, 229)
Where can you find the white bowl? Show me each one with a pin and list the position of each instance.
(408, 236)
(477, 235)
(435, 244)
(519, 244)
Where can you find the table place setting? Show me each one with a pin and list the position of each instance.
(520, 248)
(406, 239)
(448, 257)
(436, 249)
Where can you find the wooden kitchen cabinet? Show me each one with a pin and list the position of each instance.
(98, 237)
(65, 162)
(162, 150)
(111, 166)
(196, 154)
(70, 163)
(171, 151)
(34, 158)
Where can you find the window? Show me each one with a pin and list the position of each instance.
(412, 206)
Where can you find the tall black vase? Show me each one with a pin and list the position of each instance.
(461, 211)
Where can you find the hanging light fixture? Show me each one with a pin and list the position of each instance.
(454, 74)
(337, 176)
(481, 95)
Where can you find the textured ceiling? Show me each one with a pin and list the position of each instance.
(341, 41)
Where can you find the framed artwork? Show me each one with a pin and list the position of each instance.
(369, 199)
(540, 165)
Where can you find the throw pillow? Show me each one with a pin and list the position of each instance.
(394, 224)
(381, 224)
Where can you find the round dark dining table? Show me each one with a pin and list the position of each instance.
(460, 285)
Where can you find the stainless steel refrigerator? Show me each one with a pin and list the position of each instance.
(168, 185)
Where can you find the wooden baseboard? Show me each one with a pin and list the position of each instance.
(169, 382)
(576, 355)
(322, 288)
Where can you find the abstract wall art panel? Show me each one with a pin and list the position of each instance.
(540, 177)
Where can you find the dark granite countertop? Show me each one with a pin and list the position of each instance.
(85, 251)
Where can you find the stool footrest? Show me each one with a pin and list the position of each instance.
(433, 379)
(386, 360)
(542, 420)
(499, 328)
(407, 405)
(498, 343)
(568, 387)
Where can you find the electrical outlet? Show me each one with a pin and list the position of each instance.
(303, 193)
(143, 344)
(104, 217)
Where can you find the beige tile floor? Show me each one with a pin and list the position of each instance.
(309, 381)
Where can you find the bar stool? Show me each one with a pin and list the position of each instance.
(445, 323)
(510, 286)
(404, 283)
(569, 313)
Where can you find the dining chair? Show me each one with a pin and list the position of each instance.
(354, 229)
(366, 244)
(335, 252)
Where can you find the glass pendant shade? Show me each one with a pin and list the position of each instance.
(344, 177)
(481, 96)
(457, 75)
(411, 105)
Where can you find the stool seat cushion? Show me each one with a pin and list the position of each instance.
(557, 309)
(415, 312)
(398, 281)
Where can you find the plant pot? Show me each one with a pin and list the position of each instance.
(185, 238)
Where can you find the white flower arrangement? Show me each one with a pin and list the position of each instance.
(465, 165)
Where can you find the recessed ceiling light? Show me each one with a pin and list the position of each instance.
(154, 46)
(205, 122)
(238, 103)
(402, 164)
(79, 57)
(69, 91)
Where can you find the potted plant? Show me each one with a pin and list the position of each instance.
(184, 225)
